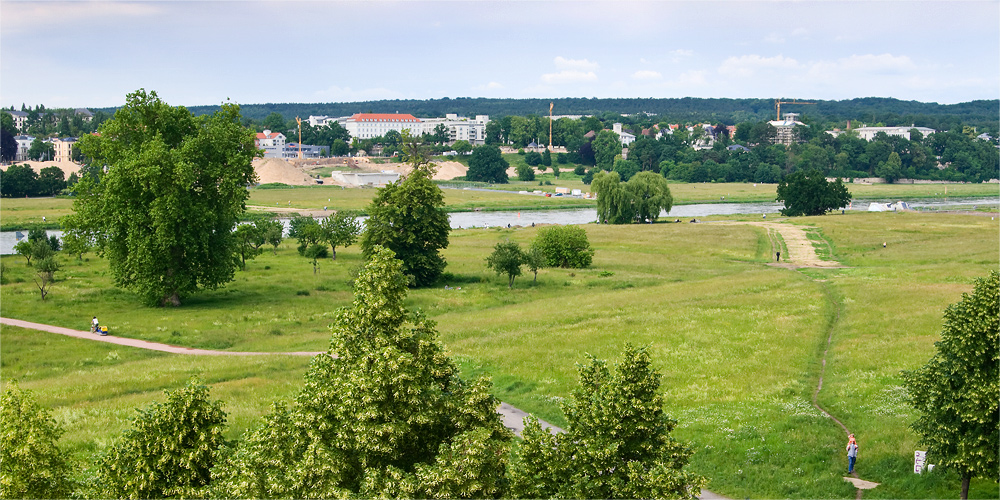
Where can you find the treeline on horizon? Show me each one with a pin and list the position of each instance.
(983, 114)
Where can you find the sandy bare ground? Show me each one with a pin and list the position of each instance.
(277, 170)
(37, 166)
(801, 252)
(446, 170)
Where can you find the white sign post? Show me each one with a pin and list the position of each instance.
(918, 461)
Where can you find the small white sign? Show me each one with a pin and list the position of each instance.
(918, 461)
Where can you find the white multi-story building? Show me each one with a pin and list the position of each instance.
(20, 119)
(23, 145)
(626, 137)
(868, 133)
(371, 125)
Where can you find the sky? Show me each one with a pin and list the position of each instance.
(91, 54)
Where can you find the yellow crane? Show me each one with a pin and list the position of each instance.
(299, 121)
(779, 102)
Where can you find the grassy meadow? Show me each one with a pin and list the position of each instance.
(738, 341)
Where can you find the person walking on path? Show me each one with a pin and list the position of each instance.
(93, 325)
(852, 453)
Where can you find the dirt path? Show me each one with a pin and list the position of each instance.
(513, 418)
(800, 251)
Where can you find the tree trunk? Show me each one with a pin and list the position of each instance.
(174, 299)
(965, 487)
(334, 252)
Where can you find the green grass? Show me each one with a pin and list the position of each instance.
(18, 213)
(738, 342)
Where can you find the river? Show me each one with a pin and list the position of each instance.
(586, 215)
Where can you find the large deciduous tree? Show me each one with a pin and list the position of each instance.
(957, 393)
(809, 193)
(31, 465)
(389, 417)
(175, 186)
(641, 199)
(606, 145)
(618, 443)
(487, 165)
(408, 218)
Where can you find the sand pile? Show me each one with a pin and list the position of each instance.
(446, 170)
(37, 166)
(277, 170)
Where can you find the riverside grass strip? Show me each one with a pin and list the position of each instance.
(736, 339)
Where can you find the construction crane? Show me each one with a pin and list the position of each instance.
(299, 121)
(551, 104)
(779, 102)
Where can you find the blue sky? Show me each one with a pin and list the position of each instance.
(75, 54)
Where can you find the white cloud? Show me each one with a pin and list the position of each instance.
(347, 94)
(575, 64)
(489, 86)
(774, 38)
(21, 17)
(746, 66)
(862, 65)
(647, 75)
(682, 53)
(569, 76)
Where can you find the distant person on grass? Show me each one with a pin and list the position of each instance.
(852, 453)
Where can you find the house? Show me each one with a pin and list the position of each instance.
(460, 128)
(20, 119)
(84, 113)
(23, 145)
(626, 137)
(273, 143)
(738, 148)
(63, 148)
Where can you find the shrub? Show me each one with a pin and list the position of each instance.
(31, 465)
(169, 450)
(565, 246)
(525, 173)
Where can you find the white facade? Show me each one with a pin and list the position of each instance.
(371, 125)
(377, 179)
(868, 133)
(273, 144)
(23, 145)
(625, 137)
(786, 128)
(20, 119)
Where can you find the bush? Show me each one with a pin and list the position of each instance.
(565, 246)
(525, 173)
(580, 170)
(169, 450)
(31, 465)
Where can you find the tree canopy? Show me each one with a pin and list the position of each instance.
(174, 188)
(507, 258)
(957, 393)
(565, 246)
(389, 417)
(487, 165)
(618, 443)
(809, 193)
(641, 199)
(408, 218)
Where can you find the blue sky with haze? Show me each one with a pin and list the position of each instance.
(76, 54)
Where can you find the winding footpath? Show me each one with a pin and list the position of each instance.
(800, 254)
